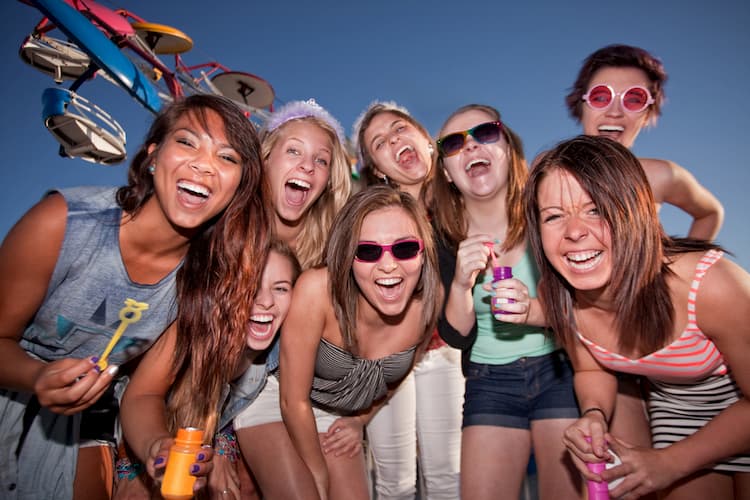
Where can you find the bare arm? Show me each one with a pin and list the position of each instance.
(143, 408)
(596, 389)
(28, 257)
(472, 257)
(723, 312)
(303, 330)
(675, 185)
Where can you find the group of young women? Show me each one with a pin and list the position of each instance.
(238, 286)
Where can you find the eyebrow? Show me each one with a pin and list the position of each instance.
(390, 127)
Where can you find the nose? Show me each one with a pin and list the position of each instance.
(575, 228)
(469, 143)
(615, 109)
(387, 262)
(306, 164)
(202, 163)
(264, 298)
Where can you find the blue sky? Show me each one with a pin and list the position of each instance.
(432, 57)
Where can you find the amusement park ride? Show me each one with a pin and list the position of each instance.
(77, 40)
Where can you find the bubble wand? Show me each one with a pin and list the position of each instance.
(131, 313)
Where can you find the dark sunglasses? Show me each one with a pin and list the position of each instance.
(484, 133)
(369, 251)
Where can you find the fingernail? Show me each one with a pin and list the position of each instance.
(97, 369)
(94, 359)
(194, 469)
(201, 456)
(159, 461)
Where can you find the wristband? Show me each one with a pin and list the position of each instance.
(125, 468)
(225, 445)
(594, 408)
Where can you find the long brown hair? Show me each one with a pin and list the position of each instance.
(342, 246)
(613, 178)
(220, 274)
(367, 165)
(449, 211)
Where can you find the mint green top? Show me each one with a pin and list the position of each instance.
(500, 343)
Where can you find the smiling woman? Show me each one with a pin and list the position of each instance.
(343, 352)
(623, 297)
(81, 253)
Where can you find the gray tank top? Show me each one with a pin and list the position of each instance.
(346, 383)
(90, 291)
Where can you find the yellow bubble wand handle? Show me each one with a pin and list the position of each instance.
(131, 313)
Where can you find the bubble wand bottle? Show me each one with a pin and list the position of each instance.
(498, 273)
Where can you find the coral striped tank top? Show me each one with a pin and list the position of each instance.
(691, 357)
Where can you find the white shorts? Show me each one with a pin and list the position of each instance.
(265, 409)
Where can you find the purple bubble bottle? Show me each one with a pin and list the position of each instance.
(500, 273)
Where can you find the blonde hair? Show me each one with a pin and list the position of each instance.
(319, 217)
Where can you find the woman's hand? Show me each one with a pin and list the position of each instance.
(516, 302)
(643, 470)
(224, 480)
(69, 385)
(344, 437)
(586, 443)
(471, 258)
(137, 488)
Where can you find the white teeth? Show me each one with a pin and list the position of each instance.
(584, 260)
(261, 318)
(611, 128)
(299, 183)
(581, 256)
(403, 150)
(474, 163)
(193, 188)
(388, 281)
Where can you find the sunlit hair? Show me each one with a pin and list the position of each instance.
(221, 270)
(319, 217)
(448, 209)
(367, 165)
(617, 185)
(619, 56)
(342, 246)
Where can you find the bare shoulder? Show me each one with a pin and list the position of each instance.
(312, 284)
(723, 299)
(311, 278)
(660, 173)
(40, 232)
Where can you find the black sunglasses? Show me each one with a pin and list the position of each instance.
(484, 133)
(369, 251)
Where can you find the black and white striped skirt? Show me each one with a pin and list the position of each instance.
(678, 410)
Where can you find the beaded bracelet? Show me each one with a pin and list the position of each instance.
(225, 445)
(128, 469)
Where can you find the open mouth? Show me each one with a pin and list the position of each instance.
(261, 326)
(583, 261)
(477, 167)
(296, 191)
(610, 129)
(390, 288)
(404, 152)
(194, 192)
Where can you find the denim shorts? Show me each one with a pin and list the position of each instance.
(514, 394)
